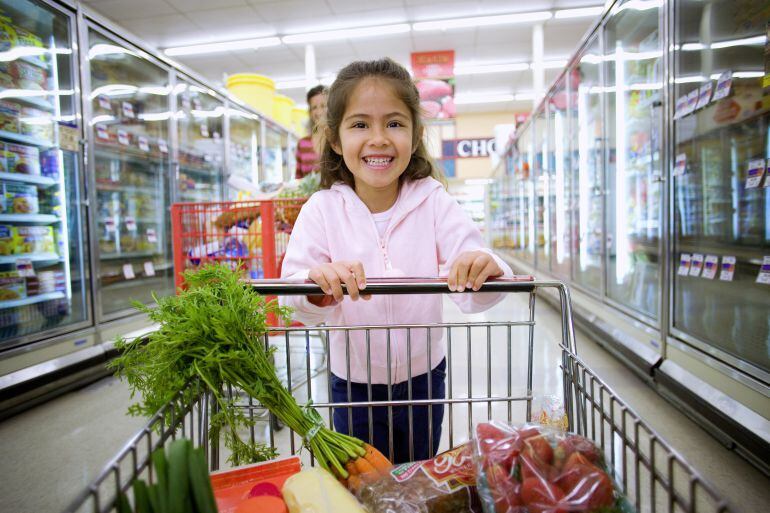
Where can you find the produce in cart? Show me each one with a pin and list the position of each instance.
(212, 335)
(294, 195)
(531, 468)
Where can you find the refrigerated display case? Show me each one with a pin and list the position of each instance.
(633, 55)
(540, 205)
(275, 164)
(721, 194)
(199, 145)
(129, 133)
(244, 133)
(43, 280)
(558, 179)
(587, 167)
(523, 188)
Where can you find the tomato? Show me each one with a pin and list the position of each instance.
(541, 496)
(586, 486)
(576, 458)
(539, 449)
(504, 491)
(576, 443)
(531, 467)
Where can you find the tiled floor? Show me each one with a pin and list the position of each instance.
(52, 452)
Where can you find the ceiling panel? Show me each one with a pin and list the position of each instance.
(275, 12)
(185, 6)
(135, 9)
(162, 31)
(348, 6)
(509, 35)
(228, 19)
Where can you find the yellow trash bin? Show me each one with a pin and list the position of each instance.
(282, 106)
(299, 118)
(256, 90)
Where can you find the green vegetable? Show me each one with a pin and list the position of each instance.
(213, 334)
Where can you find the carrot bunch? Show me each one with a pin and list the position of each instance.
(366, 469)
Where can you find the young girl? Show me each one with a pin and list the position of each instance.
(382, 213)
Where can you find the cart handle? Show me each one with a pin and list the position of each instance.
(520, 283)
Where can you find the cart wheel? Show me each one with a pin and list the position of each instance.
(276, 424)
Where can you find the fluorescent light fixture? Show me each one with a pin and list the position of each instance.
(473, 99)
(480, 69)
(691, 79)
(557, 64)
(482, 21)
(748, 41)
(693, 47)
(295, 83)
(227, 46)
(351, 33)
(583, 12)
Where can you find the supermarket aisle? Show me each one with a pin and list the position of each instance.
(51, 452)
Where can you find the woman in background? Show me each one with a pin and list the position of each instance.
(308, 148)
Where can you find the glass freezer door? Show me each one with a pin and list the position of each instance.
(720, 183)
(558, 182)
(274, 152)
(587, 167)
(244, 152)
(523, 191)
(43, 283)
(633, 52)
(540, 190)
(200, 149)
(129, 124)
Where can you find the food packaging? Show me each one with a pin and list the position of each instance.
(49, 163)
(34, 239)
(536, 469)
(7, 241)
(238, 486)
(11, 286)
(22, 159)
(9, 116)
(20, 198)
(36, 123)
(446, 483)
(315, 490)
(27, 76)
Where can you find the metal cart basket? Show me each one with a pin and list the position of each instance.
(490, 375)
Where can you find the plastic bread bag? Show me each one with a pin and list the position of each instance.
(444, 484)
(531, 468)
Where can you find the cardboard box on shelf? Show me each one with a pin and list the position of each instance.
(12, 286)
(21, 159)
(9, 116)
(20, 198)
(34, 239)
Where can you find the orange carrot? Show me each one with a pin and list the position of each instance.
(351, 468)
(354, 483)
(364, 467)
(377, 460)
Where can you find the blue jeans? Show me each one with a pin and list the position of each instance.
(399, 392)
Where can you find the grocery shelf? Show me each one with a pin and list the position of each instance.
(198, 170)
(13, 303)
(32, 101)
(126, 156)
(29, 218)
(36, 179)
(25, 139)
(127, 255)
(35, 257)
(117, 187)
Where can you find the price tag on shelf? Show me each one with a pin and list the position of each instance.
(109, 224)
(68, 137)
(149, 269)
(764, 271)
(755, 173)
(128, 110)
(710, 266)
(681, 103)
(704, 95)
(101, 132)
(144, 145)
(681, 164)
(130, 224)
(684, 264)
(724, 85)
(692, 101)
(162, 146)
(204, 130)
(152, 238)
(123, 138)
(25, 268)
(105, 103)
(696, 264)
(728, 268)
(128, 271)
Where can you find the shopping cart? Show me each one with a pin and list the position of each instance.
(501, 385)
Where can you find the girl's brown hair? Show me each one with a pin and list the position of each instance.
(332, 165)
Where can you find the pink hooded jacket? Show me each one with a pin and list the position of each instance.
(427, 232)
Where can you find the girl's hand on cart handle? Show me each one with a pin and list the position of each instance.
(471, 269)
(331, 276)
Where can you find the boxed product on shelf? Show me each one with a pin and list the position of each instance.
(22, 159)
(7, 34)
(7, 242)
(45, 282)
(20, 198)
(27, 76)
(9, 115)
(49, 163)
(36, 123)
(6, 80)
(12, 286)
(49, 201)
(34, 239)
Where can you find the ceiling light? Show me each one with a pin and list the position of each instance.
(330, 35)
(227, 46)
(479, 69)
(758, 40)
(472, 99)
(482, 21)
(583, 12)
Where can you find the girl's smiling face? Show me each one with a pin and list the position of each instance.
(375, 141)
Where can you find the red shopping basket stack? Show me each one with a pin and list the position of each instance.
(249, 235)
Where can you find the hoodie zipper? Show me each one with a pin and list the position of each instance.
(381, 243)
